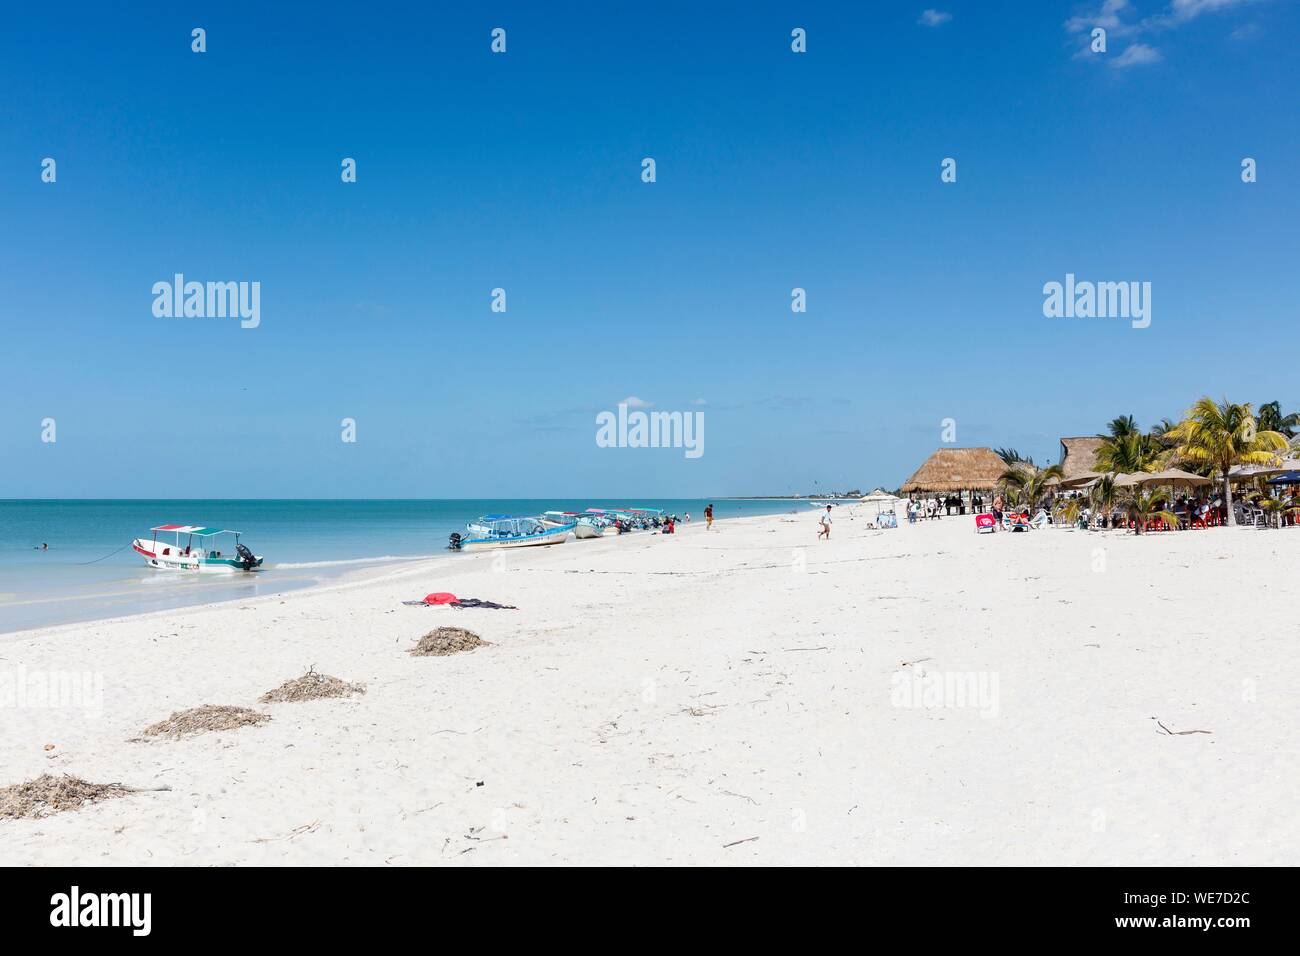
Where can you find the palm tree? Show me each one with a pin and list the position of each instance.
(1150, 505)
(1277, 508)
(1271, 419)
(1010, 457)
(1267, 500)
(1222, 435)
(1026, 483)
(1162, 428)
(1124, 425)
(1102, 497)
(1067, 511)
(1127, 453)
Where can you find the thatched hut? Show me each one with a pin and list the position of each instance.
(951, 470)
(1079, 461)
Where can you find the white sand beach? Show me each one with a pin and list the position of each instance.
(725, 697)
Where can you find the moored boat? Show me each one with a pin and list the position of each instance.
(554, 519)
(194, 548)
(508, 531)
(631, 519)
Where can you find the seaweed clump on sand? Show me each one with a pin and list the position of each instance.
(447, 640)
(311, 686)
(204, 720)
(49, 794)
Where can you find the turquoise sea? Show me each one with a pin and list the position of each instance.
(90, 572)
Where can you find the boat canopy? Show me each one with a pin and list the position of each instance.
(192, 529)
(508, 526)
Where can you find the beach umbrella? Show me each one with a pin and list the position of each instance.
(1286, 478)
(1170, 476)
(1255, 471)
(1083, 480)
(882, 500)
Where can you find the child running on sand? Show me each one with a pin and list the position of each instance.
(826, 524)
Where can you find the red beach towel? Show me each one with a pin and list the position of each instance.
(449, 599)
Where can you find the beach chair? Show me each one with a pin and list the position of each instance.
(1246, 515)
(985, 523)
(1041, 520)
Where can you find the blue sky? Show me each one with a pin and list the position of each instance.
(522, 170)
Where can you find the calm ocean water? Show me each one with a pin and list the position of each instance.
(90, 571)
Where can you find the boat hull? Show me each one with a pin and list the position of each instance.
(165, 557)
(548, 537)
(588, 531)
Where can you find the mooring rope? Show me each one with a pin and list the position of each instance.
(109, 555)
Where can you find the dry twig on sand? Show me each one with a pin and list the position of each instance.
(1179, 733)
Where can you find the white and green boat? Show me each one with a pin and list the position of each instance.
(194, 548)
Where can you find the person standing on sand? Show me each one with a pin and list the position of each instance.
(826, 524)
(708, 517)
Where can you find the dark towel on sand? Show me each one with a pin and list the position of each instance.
(464, 602)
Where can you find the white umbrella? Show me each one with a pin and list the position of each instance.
(882, 500)
(1253, 471)
(1170, 476)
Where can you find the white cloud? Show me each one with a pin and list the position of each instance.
(1139, 54)
(1108, 16)
(1112, 13)
(1180, 11)
(633, 402)
(698, 401)
(934, 18)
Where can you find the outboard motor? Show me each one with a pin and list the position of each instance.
(453, 542)
(247, 556)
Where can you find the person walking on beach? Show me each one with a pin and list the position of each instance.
(826, 524)
(708, 517)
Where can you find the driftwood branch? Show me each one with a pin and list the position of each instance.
(1179, 733)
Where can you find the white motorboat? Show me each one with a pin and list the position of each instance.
(194, 548)
(508, 531)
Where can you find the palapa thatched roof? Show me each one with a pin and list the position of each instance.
(1079, 457)
(957, 469)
